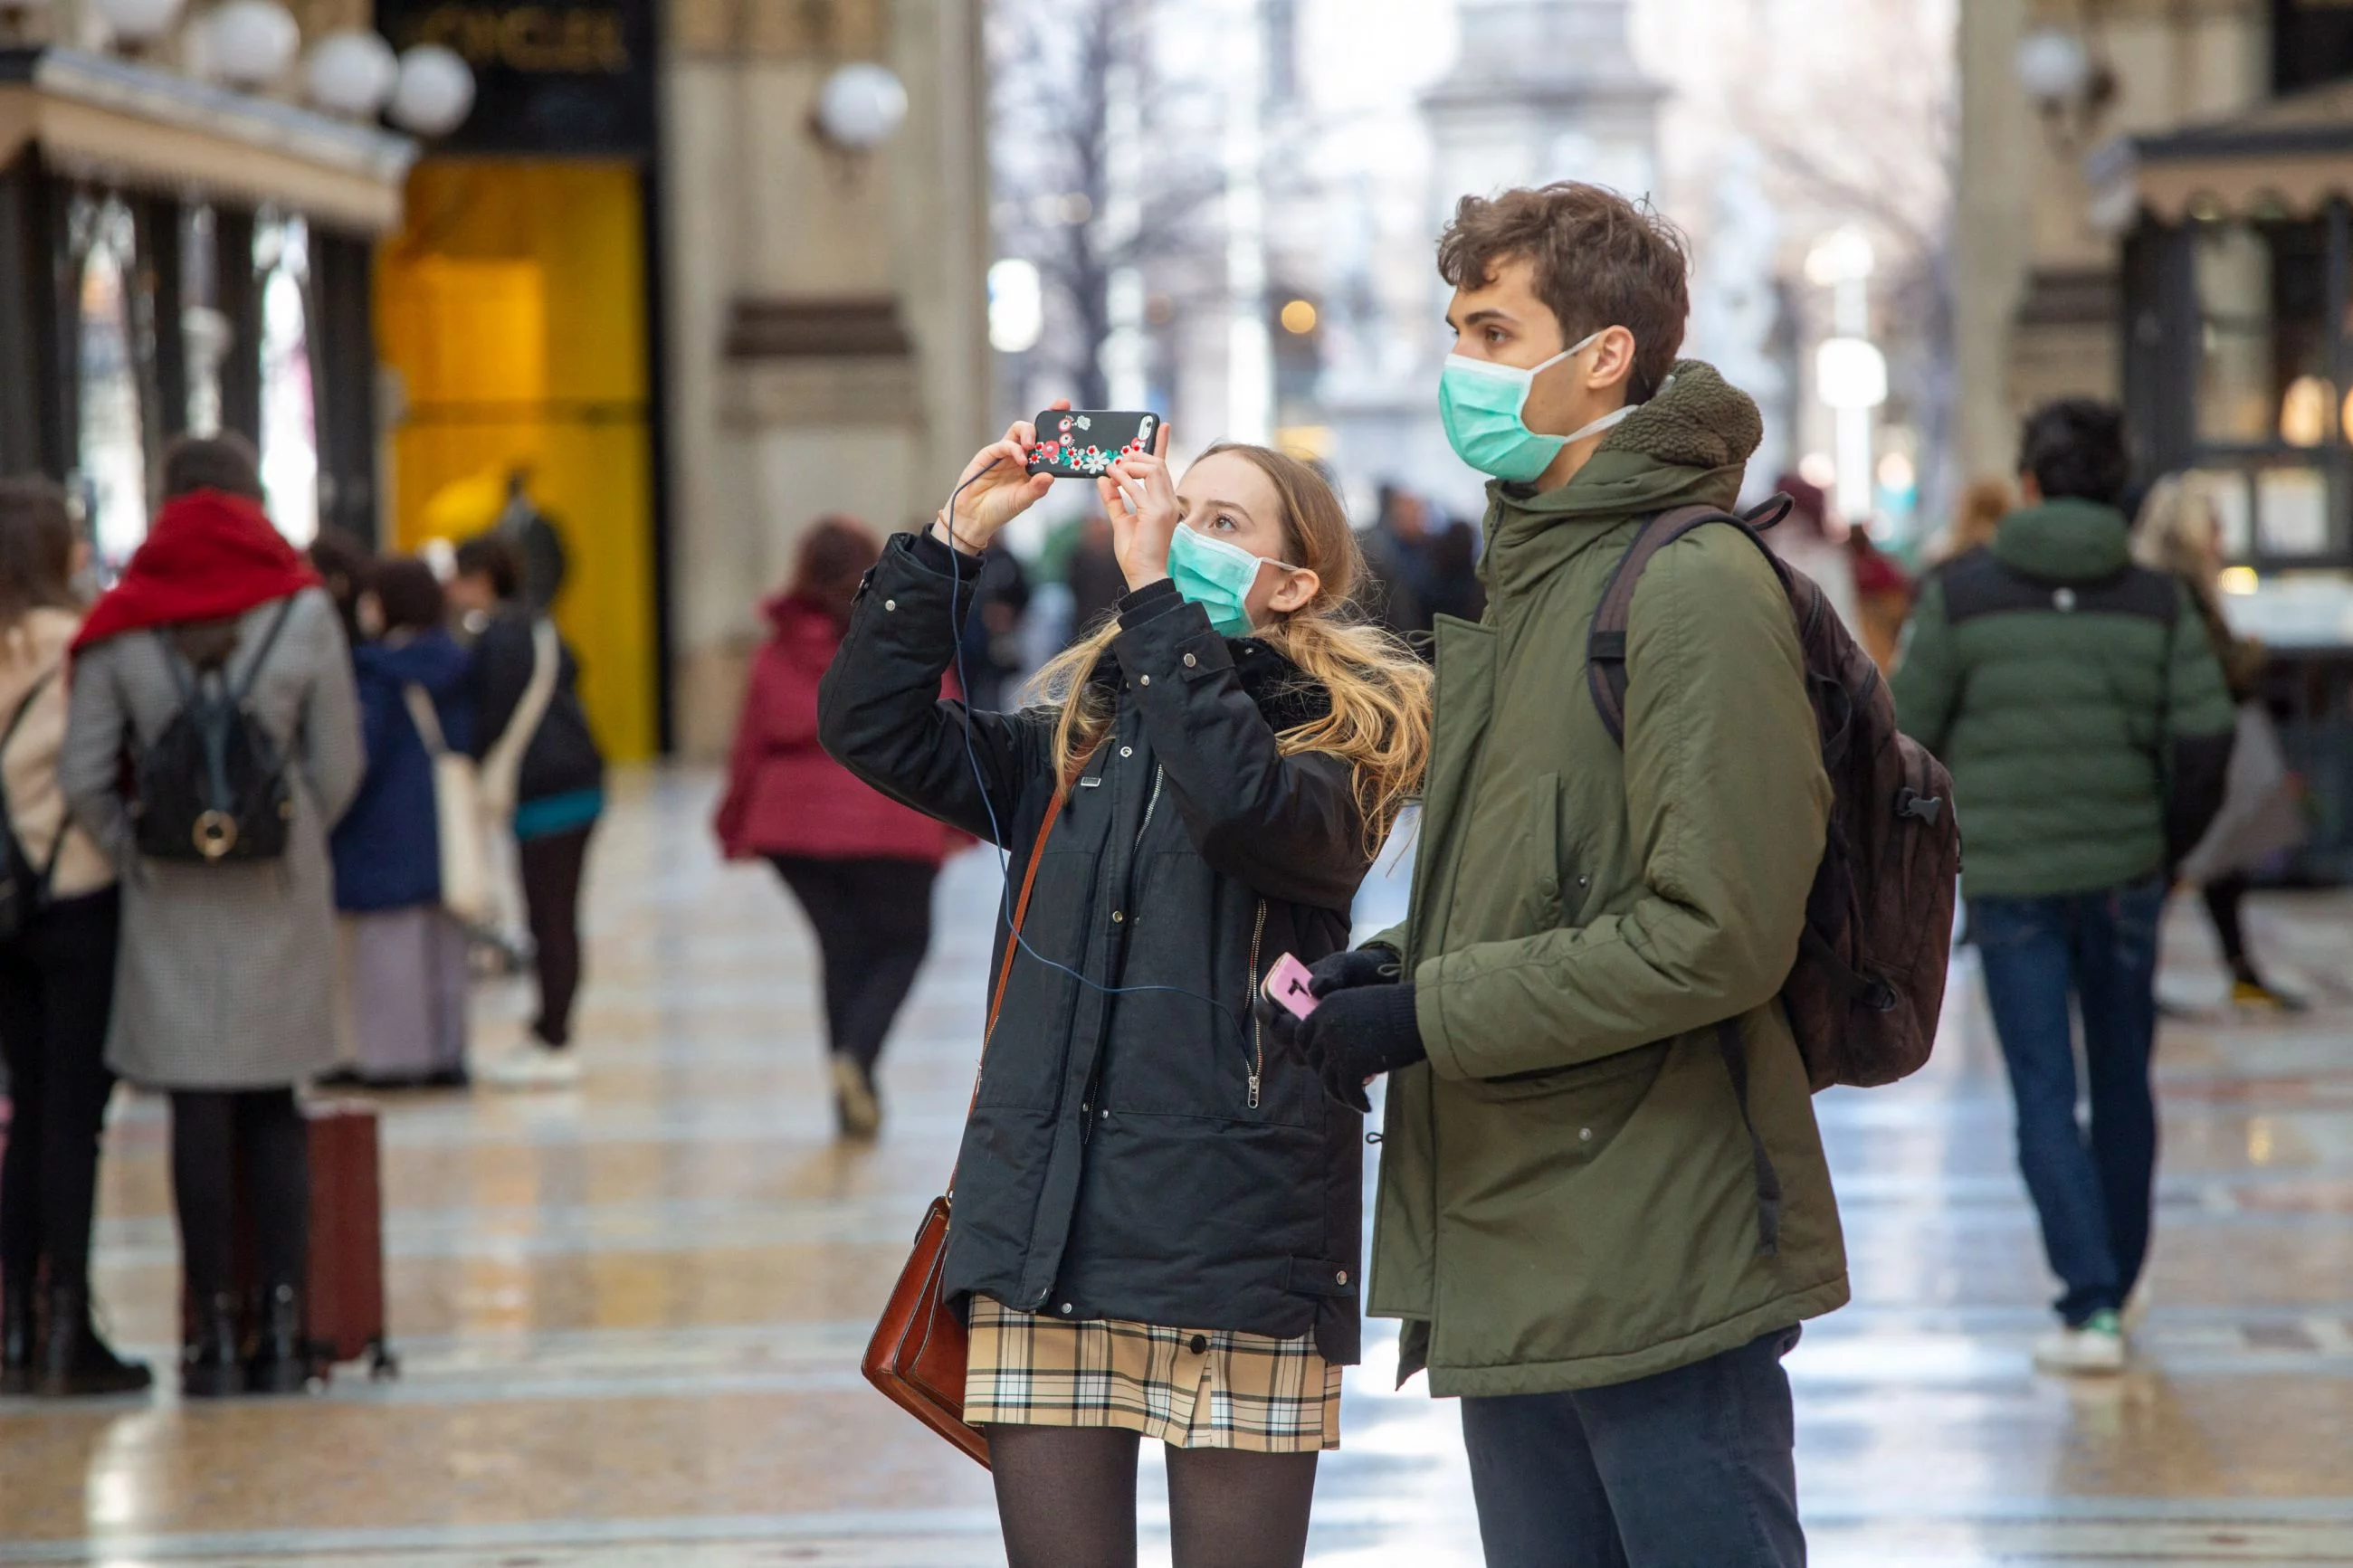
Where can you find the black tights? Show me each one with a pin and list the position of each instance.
(1066, 1497)
(57, 983)
(874, 920)
(2225, 898)
(233, 1148)
(550, 866)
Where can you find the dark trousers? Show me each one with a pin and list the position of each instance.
(551, 864)
(233, 1149)
(1690, 1468)
(2091, 1186)
(56, 989)
(874, 920)
(2226, 899)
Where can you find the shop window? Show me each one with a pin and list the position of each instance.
(111, 462)
(290, 436)
(2262, 339)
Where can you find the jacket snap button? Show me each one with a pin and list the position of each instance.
(1585, 882)
(1343, 1277)
(1585, 1134)
(1117, 916)
(890, 604)
(1066, 1309)
(1200, 1344)
(1190, 661)
(1145, 679)
(1127, 750)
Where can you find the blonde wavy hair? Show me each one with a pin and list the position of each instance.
(2178, 531)
(1380, 720)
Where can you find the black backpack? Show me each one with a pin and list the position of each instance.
(212, 787)
(23, 887)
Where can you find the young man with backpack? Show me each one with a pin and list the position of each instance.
(2084, 715)
(1603, 1208)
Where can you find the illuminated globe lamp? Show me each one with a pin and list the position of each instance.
(434, 90)
(861, 106)
(249, 43)
(351, 73)
(138, 24)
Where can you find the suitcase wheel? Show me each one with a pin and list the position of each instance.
(383, 1366)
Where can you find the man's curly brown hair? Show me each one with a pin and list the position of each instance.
(1601, 261)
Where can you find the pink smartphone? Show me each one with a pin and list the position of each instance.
(1286, 985)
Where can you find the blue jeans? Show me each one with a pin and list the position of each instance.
(1688, 1468)
(2092, 1185)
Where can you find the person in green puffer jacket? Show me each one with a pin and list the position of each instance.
(1572, 1220)
(2077, 701)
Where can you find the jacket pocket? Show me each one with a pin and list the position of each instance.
(1543, 850)
(1584, 1076)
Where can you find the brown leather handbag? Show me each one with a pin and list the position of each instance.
(917, 1354)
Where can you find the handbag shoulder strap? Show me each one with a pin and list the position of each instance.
(428, 722)
(1013, 946)
(503, 759)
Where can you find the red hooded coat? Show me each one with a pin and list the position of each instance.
(785, 796)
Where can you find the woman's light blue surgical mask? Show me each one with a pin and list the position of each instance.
(1479, 402)
(1216, 576)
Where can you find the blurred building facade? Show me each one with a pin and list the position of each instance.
(642, 287)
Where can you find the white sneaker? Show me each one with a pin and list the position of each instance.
(2096, 1347)
(530, 1065)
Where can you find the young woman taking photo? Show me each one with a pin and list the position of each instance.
(1156, 1218)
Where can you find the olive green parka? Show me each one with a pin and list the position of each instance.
(1568, 1192)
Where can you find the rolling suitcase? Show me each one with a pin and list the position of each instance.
(344, 1297)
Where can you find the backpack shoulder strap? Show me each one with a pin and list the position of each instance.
(32, 695)
(262, 654)
(1605, 641)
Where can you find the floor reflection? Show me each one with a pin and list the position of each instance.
(630, 1315)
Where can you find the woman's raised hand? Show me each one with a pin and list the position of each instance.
(995, 488)
(1140, 498)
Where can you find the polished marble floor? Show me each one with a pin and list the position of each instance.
(630, 1315)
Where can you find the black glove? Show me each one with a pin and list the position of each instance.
(1363, 1026)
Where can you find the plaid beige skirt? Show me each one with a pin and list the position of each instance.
(1206, 1388)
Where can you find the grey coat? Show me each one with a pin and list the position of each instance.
(226, 973)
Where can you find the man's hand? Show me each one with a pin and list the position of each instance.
(1363, 1026)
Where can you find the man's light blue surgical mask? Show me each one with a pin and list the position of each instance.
(1216, 576)
(1481, 403)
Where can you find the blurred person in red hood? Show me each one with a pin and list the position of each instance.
(860, 863)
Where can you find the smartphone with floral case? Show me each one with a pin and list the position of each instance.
(1083, 443)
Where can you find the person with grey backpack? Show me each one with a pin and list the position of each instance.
(217, 670)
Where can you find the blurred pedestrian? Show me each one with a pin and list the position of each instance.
(406, 955)
(1449, 578)
(1814, 539)
(342, 563)
(541, 769)
(860, 863)
(1978, 517)
(992, 631)
(1392, 552)
(219, 634)
(538, 547)
(2088, 730)
(1093, 575)
(57, 976)
(1883, 594)
(2178, 532)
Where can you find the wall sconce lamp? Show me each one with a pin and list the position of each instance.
(2071, 85)
(861, 106)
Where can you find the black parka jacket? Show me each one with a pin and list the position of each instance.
(1139, 1152)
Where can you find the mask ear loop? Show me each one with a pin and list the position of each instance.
(996, 828)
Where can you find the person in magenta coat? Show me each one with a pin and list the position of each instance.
(860, 863)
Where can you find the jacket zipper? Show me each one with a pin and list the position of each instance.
(1086, 1104)
(1249, 1002)
(1158, 775)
